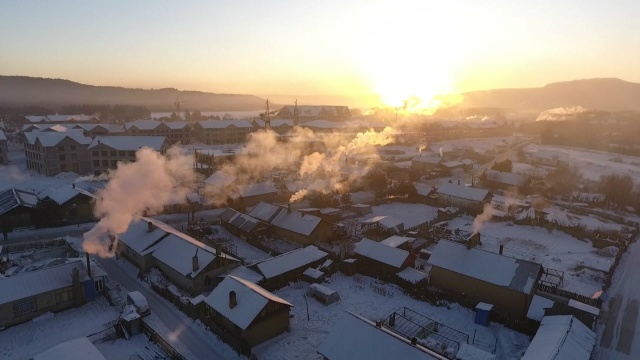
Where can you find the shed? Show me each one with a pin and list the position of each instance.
(323, 294)
(482, 313)
(313, 275)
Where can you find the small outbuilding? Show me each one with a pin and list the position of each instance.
(323, 294)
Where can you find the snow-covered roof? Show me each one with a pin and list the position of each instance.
(220, 178)
(412, 275)
(396, 240)
(48, 139)
(239, 220)
(516, 274)
(388, 222)
(313, 273)
(322, 289)
(277, 123)
(506, 178)
(251, 299)
(296, 221)
(40, 281)
(129, 143)
(246, 274)
(463, 192)
(63, 194)
(76, 349)
(221, 124)
(538, 306)
(150, 124)
(140, 239)
(452, 164)
(59, 118)
(354, 337)
(561, 338)
(427, 159)
(290, 261)
(12, 198)
(382, 253)
(264, 211)
(256, 189)
(177, 251)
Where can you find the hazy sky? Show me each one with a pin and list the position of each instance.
(393, 48)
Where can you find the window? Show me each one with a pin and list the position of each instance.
(96, 162)
(95, 153)
(112, 153)
(121, 153)
(132, 153)
(62, 157)
(99, 284)
(61, 148)
(104, 153)
(24, 307)
(105, 163)
(114, 163)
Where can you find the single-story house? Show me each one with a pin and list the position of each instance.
(355, 337)
(19, 208)
(251, 194)
(375, 258)
(293, 225)
(56, 288)
(280, 270)
(507, 283)
(470, 198)
(561, 337)
(247, 311)
(241, 225)
(426, 163)
(68, 204)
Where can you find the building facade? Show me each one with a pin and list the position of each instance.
(212, 132)
(50, 153)
(107, 151)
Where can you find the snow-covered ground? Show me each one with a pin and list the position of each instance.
(584, 266)
(363, 299)
(246, 252)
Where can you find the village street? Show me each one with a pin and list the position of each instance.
(618, 338)
(201, 345)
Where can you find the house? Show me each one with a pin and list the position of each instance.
(504, 180)
(19, 208)
(454, 167)
(4, 149)
(561, 337)
(550, 157)
(424, 164)
(241, 225)
(213, 132)
(68, 204)
(400, 242)
(292, 225)
(185, 261)
(175, 131)
(251, 194)
(469, 198)
(76, 349)
(374, 258)
(52, 289)
(354, 337)
(107, 151)
(507, 283)
(247, 312)
(282, 269)
(304, 113)
(50, 153)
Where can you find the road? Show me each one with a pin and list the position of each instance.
(618, 335)
(201, 345)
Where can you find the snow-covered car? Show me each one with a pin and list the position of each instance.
(138, 300)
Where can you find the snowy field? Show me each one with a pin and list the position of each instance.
(361, 298)
(594, 164)
(584, 266)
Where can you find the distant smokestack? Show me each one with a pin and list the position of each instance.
(501, 249)
(233, 300)
(88, 264)
(458, 181)
(149, 226)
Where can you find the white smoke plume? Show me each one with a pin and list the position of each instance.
(135, 189)
(561, 114)
(325, 170)
(422, 147)
(480, 220)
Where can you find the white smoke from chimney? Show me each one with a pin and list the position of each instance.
(135, 189)
(441, 152)
(480, 220)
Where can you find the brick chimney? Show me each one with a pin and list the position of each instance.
(150, 226)
(88, 265)
(194, 261)
(233, 300)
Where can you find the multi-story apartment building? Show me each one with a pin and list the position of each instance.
(107, 151)
(90, 130)
(50, 153)
(213, 132)
(304, 113)
(37, 119)
(175, 131)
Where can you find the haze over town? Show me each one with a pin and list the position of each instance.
(319, 180)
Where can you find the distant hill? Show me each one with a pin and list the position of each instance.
(602, 94)
(55, 93)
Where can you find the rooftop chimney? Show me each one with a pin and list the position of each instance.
(194, 261)
(501, 249)
(73, 185)
(233, 300)
(88, 265)
(149, 226)
(289, 207)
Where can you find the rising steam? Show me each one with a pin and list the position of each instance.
(135, 189)
(480, 220)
